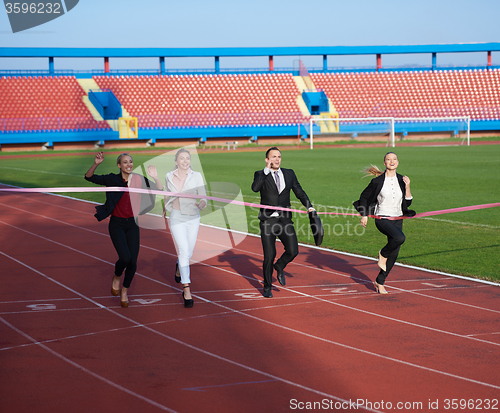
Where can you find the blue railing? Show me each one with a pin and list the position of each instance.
(135, 72)
(477, 113)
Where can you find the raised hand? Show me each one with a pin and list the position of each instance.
(152, 171)
(99, 158)
(406, 180)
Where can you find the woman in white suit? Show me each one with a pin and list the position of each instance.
(184, 219)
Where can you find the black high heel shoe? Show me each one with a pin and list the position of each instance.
(177, 278)
(187, 303)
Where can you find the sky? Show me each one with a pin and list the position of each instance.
(260, 23)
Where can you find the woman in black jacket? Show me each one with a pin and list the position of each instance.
(387, 196)
(123, 208)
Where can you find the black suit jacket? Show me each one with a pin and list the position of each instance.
(368, 198)
(112, 198)
(269, 195)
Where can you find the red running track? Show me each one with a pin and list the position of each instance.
(66, 345)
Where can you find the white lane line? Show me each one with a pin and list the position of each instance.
(445, 274)
(38, 172)
(372, 313)
(39, 301)
(251, 278)
(216, 356)
(85, 370)
(171, 320)
(469, 224)
(412, 291)
(297, 331)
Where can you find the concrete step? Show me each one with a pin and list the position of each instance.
(301, 85)
(90, 84)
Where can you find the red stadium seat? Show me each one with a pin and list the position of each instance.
(246, 96)
(198, 94)
(42, 103)
(443, 89)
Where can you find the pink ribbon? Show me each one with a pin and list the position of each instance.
(233, 201)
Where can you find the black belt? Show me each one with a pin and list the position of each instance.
(123, 219)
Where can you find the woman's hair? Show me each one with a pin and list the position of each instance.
(388, 153)
(181, 151)
(373, 169)
(119, 159)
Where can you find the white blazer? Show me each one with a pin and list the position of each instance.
(194, 184)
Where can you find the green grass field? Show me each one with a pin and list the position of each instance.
(466, 243)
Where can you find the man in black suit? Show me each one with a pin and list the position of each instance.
(274, 184)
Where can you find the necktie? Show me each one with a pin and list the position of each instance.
(277, 178)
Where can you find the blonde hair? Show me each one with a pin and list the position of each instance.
(373, 169)
(119, 159)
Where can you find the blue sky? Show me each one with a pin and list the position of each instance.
(238, 23)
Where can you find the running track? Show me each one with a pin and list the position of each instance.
(66, 345)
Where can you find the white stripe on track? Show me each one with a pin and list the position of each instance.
(85, 370)
(290, 329)
(329, 250)
(216, 356)
(469, 224)
(36, 171)
(304, 265)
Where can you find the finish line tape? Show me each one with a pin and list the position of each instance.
(233, 201)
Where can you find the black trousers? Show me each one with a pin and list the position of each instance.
(284, 230)
(393, 229)
(124, 234)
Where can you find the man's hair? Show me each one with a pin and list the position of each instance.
(274, 148)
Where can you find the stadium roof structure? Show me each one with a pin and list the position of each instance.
(217, 52)
(124, 52)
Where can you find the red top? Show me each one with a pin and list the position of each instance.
(123, 208)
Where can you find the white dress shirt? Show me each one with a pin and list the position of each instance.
(194, 184)
(267, 171)
(280, 175)
(390, 198)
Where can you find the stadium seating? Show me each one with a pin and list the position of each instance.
(33, 104)
(47, 103)
(474, 93)
(207, 100)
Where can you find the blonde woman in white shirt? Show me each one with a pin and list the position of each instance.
(184, 219)
(387, 196)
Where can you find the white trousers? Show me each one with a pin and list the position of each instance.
(184, 229)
